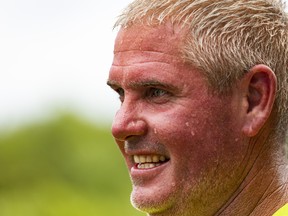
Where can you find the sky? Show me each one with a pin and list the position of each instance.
(56, 55)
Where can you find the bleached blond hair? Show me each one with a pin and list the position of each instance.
(226, 38)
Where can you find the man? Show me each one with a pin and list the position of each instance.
(204, 106)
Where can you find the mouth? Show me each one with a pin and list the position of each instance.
(149, 161)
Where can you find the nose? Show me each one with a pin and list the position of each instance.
(128, 123)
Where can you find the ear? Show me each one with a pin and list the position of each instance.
(260, 86)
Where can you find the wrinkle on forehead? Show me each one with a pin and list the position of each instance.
(122, 59)
(150, 38)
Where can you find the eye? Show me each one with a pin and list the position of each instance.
(157, 95)
(155, 92)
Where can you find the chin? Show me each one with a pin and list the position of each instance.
(154, 202)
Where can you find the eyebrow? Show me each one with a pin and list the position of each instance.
(112, 84)
(146, 83)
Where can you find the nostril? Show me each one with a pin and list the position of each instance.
(129, 137)
(126, 129)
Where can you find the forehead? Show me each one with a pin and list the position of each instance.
(164, 38)
(151, 53)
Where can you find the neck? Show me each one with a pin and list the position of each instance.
(264, 189)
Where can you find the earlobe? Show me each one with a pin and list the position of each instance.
(260, 84)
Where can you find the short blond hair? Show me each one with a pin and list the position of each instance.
(226, 38)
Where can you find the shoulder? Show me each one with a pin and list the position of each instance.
(282, 211)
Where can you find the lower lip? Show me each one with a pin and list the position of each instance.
(149, 172)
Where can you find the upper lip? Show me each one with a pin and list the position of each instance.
(151, 149)
(145, 152)
(132, 148)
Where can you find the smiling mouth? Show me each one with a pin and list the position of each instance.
(149, 161)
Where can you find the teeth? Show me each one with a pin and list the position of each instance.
(136, 159)
(148, 165)
(142, 159)
(155, 158)
(148, 161)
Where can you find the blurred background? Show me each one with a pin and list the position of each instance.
(57, 156)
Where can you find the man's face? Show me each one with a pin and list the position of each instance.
(182, 144)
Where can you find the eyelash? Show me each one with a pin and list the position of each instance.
(156, 92)
(151, 94)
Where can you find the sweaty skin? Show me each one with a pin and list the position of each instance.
(168, 110)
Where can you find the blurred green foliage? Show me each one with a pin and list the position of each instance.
(65, 166)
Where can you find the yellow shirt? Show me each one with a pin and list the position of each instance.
(282, 211)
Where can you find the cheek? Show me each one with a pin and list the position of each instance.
(186, 136)
(200, 140)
